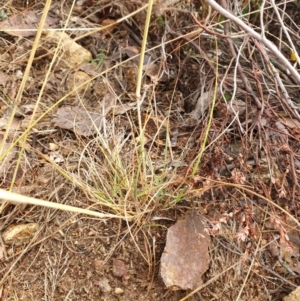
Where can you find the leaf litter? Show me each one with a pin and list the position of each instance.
(245, 145)
(25, 24)
(80, 121)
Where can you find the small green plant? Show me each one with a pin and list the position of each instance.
(100, 58)
(3, 15)
(161, 23)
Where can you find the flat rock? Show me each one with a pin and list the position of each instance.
(185, 258)
(293, 296)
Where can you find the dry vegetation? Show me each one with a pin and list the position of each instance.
(211, 125)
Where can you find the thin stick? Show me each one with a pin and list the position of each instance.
(257, 36)
(21, 90)
(285, 31)
(249, 270)
(138, 87)
(143, 49)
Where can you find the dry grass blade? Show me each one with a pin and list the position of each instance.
(16, 198)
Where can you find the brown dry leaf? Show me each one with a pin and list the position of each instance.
(153, 124)
(291, 123)
(111, 25)
(25, 190)
(123, 108)
(185, 258)
(9, 83)
(78, 120)
(154, 70)
(14, 126)
(24, 25)
(90, 68)
(132, 51)
(8, 163)
(107, 103)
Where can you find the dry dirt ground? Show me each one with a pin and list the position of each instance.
(245, 185)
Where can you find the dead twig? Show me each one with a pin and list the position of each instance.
(277, 275)
(286, 101)
(267, 43)
(239, 67)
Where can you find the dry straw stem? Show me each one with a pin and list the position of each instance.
(207, 128)
(30, 127)
(41, 26)
(19, 96)
(3, 155)
(139, 83)
(143, 49)
(22, 86)
(26, 73)
(257, 36)
(21, 199)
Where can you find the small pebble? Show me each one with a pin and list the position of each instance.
(98, 264)
(119, 268)
(118, 291)
(104, 285)
(19, 234)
